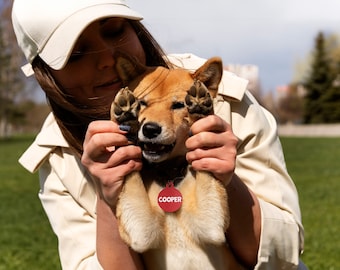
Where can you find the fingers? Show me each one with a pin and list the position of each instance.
(216, 154)
(110, 175)
(111, 180)
(116, 163)
(211, 123)
(101, 136)
(212, 147)
(210, 132)
(109, 158)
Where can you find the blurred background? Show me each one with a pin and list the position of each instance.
(288, 50)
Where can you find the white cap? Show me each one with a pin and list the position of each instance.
(50, 28)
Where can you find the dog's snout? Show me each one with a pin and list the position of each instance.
(151, 130)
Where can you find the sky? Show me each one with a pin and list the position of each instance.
(274, 35)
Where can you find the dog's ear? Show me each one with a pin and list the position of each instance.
(128, 67)
(210, 74)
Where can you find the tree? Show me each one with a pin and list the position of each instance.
(12, 84)
(318, 83)
(5, 99)
(331, 99)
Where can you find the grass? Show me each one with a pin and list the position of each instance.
(314, 165)
(27, 242)
(26, 239)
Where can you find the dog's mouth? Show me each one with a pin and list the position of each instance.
(154, 152)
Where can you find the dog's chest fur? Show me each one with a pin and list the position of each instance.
(193, 237)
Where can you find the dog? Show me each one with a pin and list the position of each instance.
(174, 216)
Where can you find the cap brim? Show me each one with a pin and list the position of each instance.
(59, 47)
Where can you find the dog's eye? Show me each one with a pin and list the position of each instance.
(177, 105)
(143, 103)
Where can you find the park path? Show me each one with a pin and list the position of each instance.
(319, 130)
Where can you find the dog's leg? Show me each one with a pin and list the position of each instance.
(211, 196)
(139, 225)
(212, 209)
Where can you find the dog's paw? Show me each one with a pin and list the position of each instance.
(199, 101)
(124, 111)
(125, 107)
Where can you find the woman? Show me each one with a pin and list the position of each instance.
(70, 46)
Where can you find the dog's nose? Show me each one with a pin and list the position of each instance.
(151, 130)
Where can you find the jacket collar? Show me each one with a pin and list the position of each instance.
(46, 141)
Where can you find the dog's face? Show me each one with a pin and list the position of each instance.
(163, 116)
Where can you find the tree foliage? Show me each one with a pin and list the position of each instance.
(13, 85)
(322, 99)
(318, 82)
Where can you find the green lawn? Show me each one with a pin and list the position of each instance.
(314, 165)
(27, 242)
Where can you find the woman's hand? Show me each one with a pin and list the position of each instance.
(212, 147)
(109, 158)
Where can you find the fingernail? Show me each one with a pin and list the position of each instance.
(125, 128)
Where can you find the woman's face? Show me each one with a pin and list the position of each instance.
(90, 76)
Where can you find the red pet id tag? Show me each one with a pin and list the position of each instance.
(170, 198)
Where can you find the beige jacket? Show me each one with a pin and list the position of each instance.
(70, 201)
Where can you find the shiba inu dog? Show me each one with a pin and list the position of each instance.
(175, 216)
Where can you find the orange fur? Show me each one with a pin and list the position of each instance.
(194, 236)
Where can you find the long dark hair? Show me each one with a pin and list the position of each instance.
(72, 118)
